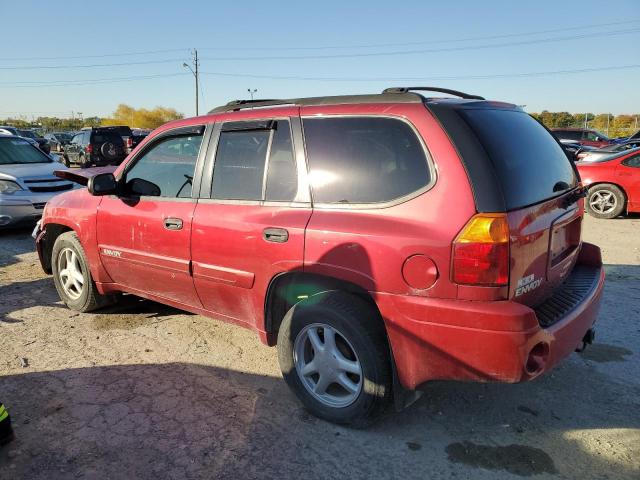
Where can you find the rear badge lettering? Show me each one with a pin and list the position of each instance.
(526, 284)
(111, 253)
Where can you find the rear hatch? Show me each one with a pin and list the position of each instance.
(518, 168)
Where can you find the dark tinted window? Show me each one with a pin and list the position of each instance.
(363, 160)
(239, 167)
(568, 134)
(169, 165)
(632, 161)
(102, 137)
(529, 163)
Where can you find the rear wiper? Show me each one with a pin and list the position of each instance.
(574, 196)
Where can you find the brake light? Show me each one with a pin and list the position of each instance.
(129, 142)
(89, 148)
(481, 251)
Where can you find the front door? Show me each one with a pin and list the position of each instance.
(249, 223)
(144, 234)
(629, 176)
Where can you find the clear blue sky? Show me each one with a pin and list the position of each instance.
(36, 31)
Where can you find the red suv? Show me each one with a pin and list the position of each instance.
(381, 241)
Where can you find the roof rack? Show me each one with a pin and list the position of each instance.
(433, 89)
(235, 105)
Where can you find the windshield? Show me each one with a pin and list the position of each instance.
(64, 136)
(27, 133)
(17, 150)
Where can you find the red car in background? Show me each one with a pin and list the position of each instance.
(613, 183)
(591, 138)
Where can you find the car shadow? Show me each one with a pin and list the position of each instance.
(14, 242)
(182, 420)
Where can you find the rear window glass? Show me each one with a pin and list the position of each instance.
(363, 159)
(106, 137)
(530, 165)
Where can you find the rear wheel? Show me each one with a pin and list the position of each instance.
(65, 161)
(72, 277)
(605, 201)
(334, 355)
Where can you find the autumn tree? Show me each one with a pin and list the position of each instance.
(141, 118)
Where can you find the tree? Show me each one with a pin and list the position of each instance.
(142, 118)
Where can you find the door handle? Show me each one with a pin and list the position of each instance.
(277, 235)
(173, 223)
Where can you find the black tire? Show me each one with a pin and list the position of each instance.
(609, 210)
(361, 325)
(111, 151)
(65, 161)
(89, 299)
(84, 161)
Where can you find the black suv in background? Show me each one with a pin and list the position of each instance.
(96, 146)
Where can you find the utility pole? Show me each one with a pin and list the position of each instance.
(194, 70)
(585, 120)
(251, 92)
(608, 124)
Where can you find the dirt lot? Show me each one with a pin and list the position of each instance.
(146, 391)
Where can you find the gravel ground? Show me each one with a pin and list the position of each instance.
(146, 391)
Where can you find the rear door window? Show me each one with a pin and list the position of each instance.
(241, 170)
(364, 159)
(529, 163)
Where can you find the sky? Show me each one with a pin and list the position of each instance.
(71, 57)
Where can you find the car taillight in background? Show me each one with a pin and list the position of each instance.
(89, 148)
(481, 252)
(129, 142)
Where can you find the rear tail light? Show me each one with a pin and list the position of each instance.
(89, 148)
(481, 251)
(129, 142)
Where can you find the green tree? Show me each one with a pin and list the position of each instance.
(141, 118)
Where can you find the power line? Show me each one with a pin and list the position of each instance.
(428, 50)
(99, 81)
(442, 77)
(333, 56)
(102, 55)
(429, 42)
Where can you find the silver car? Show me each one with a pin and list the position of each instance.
(26, 181)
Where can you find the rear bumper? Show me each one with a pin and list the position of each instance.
(501, 341)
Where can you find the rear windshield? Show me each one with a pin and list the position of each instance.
(529, 163)
(106, 137)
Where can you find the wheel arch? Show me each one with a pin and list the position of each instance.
(53, 231)
(288, 288)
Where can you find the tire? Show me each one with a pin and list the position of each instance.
(605, 201)
(86, 297)
(65, 161)
(360, 338)
(84, 162)
(111, 151)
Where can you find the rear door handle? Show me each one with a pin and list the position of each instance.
(277, 235)
(173, 223)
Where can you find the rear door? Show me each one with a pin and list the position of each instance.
(250, 221)
(144, 235)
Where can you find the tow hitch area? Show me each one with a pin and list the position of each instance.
(588, 339)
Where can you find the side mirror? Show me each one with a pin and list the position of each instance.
(102, 184)
(143, 188)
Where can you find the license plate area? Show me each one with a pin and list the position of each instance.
(565, 240)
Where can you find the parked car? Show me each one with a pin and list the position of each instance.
(26, 181)
(592, 138)
(574, 149)
(596, 154)
(129, 138)
(613, 183)
(381, 241)
(58, 140)
(43, 143)
(97, 146)
(5, 130)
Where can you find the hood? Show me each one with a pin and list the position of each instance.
(21, 170)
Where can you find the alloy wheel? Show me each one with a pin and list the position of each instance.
(70, 273)
(603, 201)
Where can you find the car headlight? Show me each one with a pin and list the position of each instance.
(7, 186)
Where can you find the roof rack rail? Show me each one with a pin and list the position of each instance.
(235, 105)
(433, 89)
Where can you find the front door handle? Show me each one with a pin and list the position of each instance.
(277, 235)
(173, 223)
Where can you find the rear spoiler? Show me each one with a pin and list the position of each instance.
(83, 175)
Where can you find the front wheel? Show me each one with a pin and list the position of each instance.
(334, 355)
(72, 276)
(605, 201)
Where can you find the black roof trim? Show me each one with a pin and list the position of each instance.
(236, 105)
(448, 91)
